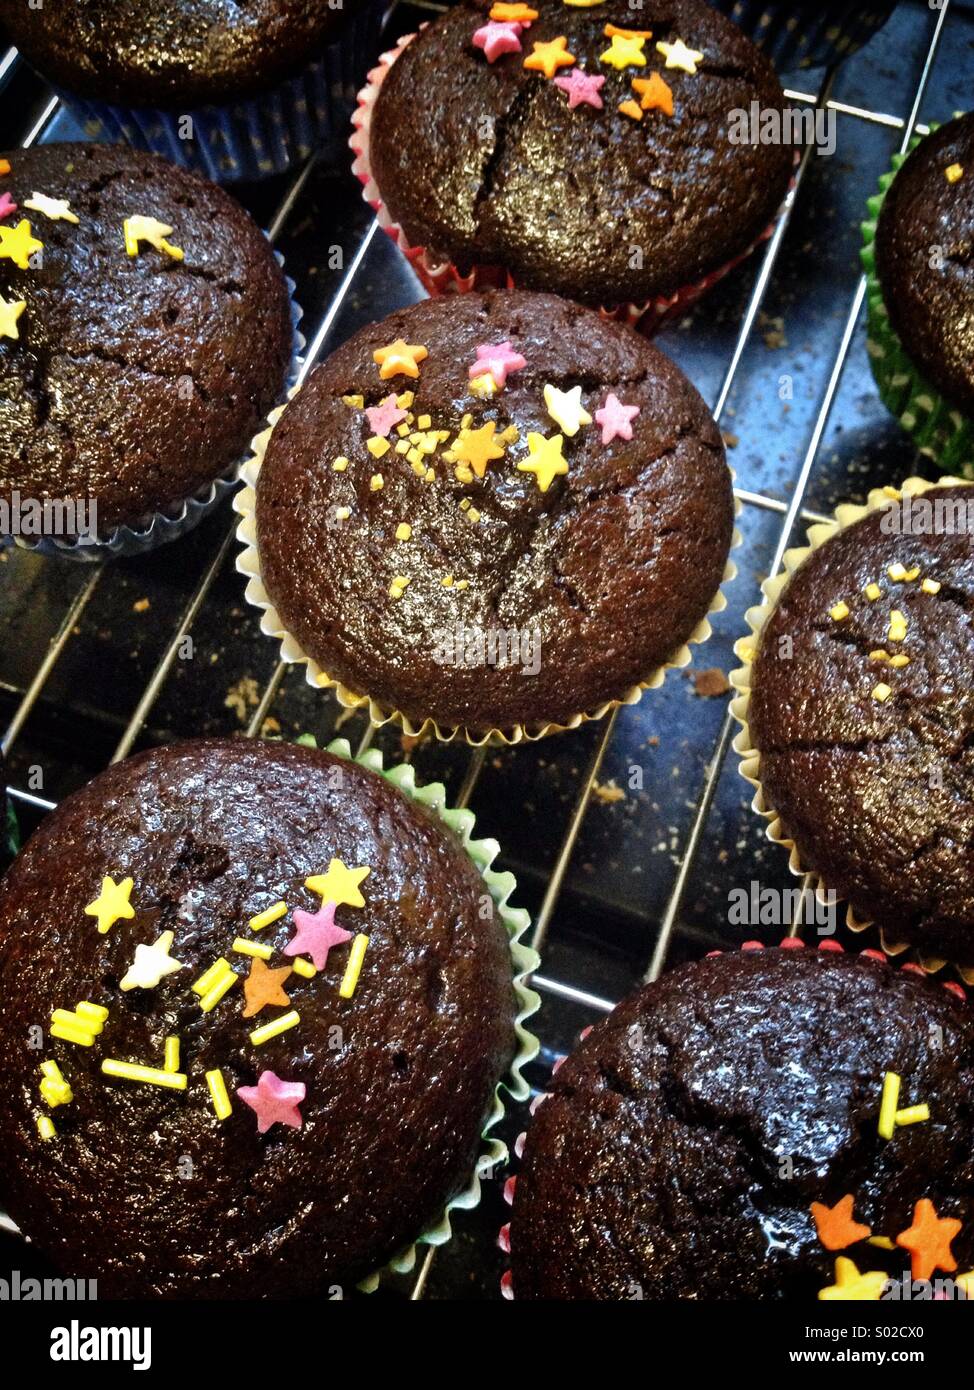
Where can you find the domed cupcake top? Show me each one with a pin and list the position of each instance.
(862, 712)
(145, 329)
(587, 150)
(171, 53)
(493, 509)
(923, 258)
(773, 1124)
(265, 1011)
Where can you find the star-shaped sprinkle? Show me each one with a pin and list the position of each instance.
(852, 1287)
(624, 51)
(10, 312)
(615, 417)
(275, 1102)
(566, 409)
(112, 903)
(317, 932)
(139, 229)
(654, 93)
(18, 245)
(835, 1225)
(632, 109)
(4, 168)
(497, 38)
(7, 206)
(498, 359)
(399, 357)
(581, 87)
(478, 448)
(151, 964)
(928, 1240)
(677, 55)
(264, 986)
(513, 14)
(340, 885)
(549, 57)
(544, 459)
(56, 209)
(383, 417)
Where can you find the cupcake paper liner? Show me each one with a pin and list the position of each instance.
(442, 277)
(745, 649)
(264, 135)
(835, 29)
(248, 563)
(524, 961)
(792, 943)
(938, 429)
(171, 522)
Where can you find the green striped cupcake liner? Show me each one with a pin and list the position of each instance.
(938, 429)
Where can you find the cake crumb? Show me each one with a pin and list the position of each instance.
(608, 792)
(709, 683)
(140, 606)
(242, 696)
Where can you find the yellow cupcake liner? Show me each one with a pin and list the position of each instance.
(248, 564)
(745, 649)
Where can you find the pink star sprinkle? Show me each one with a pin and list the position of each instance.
(382, 417)
(498, 359)
(316, 934)
(497, 39)
(7, 205)
(614, 417)
(275, 1102)
(581, 87)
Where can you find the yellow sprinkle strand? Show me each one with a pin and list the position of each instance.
(354, 967)
(913, 1115)
(887, 1105)
(840, 611)
(270, 914)
(931, 586)
(872, 592)
(54, 1089)
(897, 626)
(954, 173)
(899, 661)
(150, 1076)
(81, 1026)
(218, 1093)
(303, 967)
(881, 1242)
(45, 1127)
(96, 1012)
(253, 948)
(171, 1055)
(216, 991)
(210, 977)
(896, 572)
(275, 1028)
(403, 531)
(72, 1035)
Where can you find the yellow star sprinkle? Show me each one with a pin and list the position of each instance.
(677, 55)
(17, 244)
(112, 903)
(57, 209)
(852, 1287)
(544, 459)
(478, 448)
(10, 312)
(566, 409)
(549, 57)
(138, 229)
(340, 885)
(399, 356)
(624, 52)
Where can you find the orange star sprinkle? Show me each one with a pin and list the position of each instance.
(656, 95)
(264, 986)
(928, 1240)
(513, 14)
(4, 167)
(632, 108)
(478, 448)
(549, 57)
(835, 1226)
(611, 30)
(399, 356)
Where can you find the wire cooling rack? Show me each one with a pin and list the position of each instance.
(626, 836)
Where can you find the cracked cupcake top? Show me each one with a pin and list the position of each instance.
(145, 329)
(862, 712)
(718, 1137)
(583, 154)
(494, 509)
(925, 258)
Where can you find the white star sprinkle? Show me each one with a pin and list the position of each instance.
(566, 409)
(57, 209)
(151, 964)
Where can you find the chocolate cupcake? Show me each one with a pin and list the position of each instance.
(146, 330)
(807, 33)
(858, 714)
(236, 91)
(769, 1125)
(496, 512)
(561, 147)
(921, 293)
(275, 1015)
